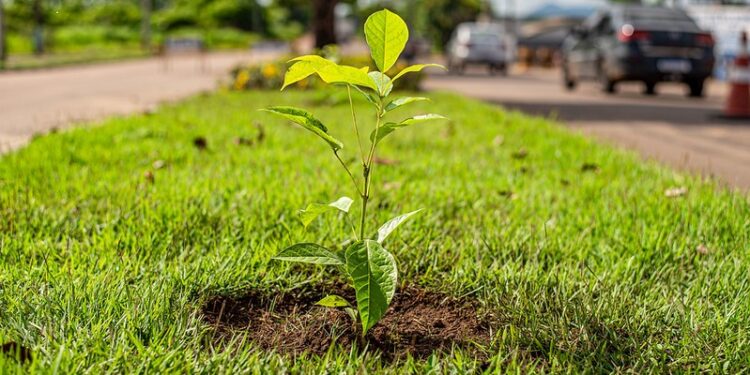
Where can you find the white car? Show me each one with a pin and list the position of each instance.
(480, 43)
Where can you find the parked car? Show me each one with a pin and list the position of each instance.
(639, 43)
(480, 43)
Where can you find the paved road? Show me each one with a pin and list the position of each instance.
(37, 101)
(671, 128)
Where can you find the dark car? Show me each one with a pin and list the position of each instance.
(639, 43)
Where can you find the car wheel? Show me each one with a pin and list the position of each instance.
(696, 88)
(649, 88)
(570, 84)
(503, 70)
(608, 85)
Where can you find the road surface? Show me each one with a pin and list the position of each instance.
(670, 127)
(37, 101)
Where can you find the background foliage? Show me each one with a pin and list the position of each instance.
(73, 25)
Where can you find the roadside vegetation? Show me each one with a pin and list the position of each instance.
(114, 238)
(43, 33)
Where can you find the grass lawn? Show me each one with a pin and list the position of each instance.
(113, 237)
(52, 60)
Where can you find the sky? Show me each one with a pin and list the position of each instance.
(526, 6)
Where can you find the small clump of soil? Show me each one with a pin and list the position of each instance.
(418, 322)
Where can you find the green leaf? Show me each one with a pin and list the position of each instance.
(375, 276)
(403, 101)
(303, 67)
(416, 68)
(386, 34)
(390, 127)
(387, 228)
(307, 121)
(342, 204)
(352, 313)
(333, 301)
(383, 83)
(347, 74)
(367, 96)
(309, 253)
(328, 71)
(314, 210)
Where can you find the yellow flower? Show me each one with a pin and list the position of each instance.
(241, 80)
(269, 70)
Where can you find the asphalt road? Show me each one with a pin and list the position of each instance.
(683, 132)
(37, 101)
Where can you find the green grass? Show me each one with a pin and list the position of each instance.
(101, 271)
(52, 60)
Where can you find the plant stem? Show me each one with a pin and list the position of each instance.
(354, 121)
(354, 180)
(365, 198)
(367, 171)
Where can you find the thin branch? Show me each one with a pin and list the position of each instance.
(354, 121)
(354, 180)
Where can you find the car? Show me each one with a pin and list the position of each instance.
(647, 44)
(479, 43)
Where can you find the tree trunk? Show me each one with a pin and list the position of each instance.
(3, 37)
(146, 25)
(38, 16)
(324, 22)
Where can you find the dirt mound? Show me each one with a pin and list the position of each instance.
(418, 322)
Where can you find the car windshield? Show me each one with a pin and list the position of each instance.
(484, 38)
(659, 18)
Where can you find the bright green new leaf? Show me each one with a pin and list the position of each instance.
(316, 209)
(347, 74)
(342, 204)
(309, 253)
(307, 121)
(383, 83)
(333, 301)
(403, 101)
(328, 71)
(390, 127)
(392, 224)
(386, 34)
(375, 276)
(303, 67)
(416, 68)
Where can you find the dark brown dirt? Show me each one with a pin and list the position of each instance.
(17, 351)
(418, 322)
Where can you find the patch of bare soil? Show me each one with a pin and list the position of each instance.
(418, 322)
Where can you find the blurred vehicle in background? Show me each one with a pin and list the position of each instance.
(480, 43)
(639, 43)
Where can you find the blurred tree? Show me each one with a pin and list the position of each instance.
(146, 6)
(37, 11)
(3, 37)
(436, 19)
(324, 22)
(245, 15)
(110, 13)
(432, 19)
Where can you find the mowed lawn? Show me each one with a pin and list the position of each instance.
(112, 237)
